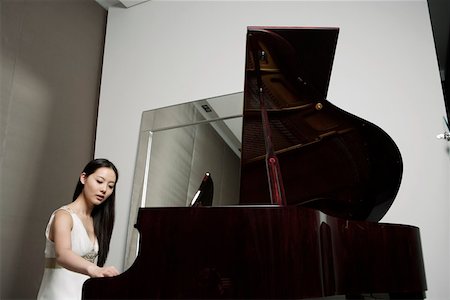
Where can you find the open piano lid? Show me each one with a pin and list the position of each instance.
(328, 158)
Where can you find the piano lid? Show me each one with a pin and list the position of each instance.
(329, 159)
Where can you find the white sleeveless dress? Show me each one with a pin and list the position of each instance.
(59, 283)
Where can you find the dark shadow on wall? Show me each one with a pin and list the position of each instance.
(52, 56)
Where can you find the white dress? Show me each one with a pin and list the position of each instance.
(59, 283)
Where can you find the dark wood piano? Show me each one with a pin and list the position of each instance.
(315, 182)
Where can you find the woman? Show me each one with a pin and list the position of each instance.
(78, 234)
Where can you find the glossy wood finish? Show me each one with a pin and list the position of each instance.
(264, 253)
(329, 159)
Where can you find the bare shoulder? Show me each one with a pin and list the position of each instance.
(62, 218)
(62, 224)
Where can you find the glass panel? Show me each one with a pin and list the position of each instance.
(179, 159)
(177, 145)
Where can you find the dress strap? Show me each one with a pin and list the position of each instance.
(66, 208)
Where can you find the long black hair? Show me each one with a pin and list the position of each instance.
(104, 213)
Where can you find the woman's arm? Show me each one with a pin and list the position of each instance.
(60, 234)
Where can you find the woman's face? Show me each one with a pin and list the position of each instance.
(99, 185)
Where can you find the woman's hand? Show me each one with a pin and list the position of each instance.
(96, 271)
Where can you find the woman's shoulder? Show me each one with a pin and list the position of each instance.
(63, 213)
(60, 218)
(63, 210)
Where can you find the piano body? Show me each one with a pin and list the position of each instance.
(315, 182)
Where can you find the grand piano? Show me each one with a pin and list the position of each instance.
(315, 183)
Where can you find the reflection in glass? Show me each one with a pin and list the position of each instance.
(177, 146)
(179, 159)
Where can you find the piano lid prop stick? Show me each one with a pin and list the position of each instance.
(276, 187)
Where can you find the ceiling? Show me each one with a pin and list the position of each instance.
(439, 13)
(121, 3)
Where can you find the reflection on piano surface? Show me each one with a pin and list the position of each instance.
(205, 192)
(330, 159)
(336, 173)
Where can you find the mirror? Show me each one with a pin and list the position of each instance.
(177, 146)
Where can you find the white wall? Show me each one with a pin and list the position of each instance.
(161, 53)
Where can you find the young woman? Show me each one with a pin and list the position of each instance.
(78, 234)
